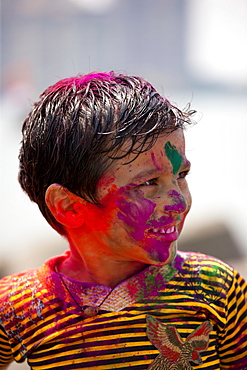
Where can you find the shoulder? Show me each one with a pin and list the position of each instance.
(12, 285)
(24, 291)
(207, 272)
(17, 301)
(18, 294)
(29, 281)
(28, 297)
(196, 263)
(28, 301)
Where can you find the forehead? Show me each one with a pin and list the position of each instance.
(167, 154)
(168, 145)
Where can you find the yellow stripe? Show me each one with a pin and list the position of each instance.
(233, 357)
(106, 357)
(224, 348)
(116, 336)
(19, 296)
(43, 330)
(241, 323)
(101, 348)
(206, 363)
(93, 348)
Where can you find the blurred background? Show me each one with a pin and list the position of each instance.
(191, 51)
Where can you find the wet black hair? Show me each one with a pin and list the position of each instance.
(79, 127)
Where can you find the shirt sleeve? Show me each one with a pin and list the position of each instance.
(6, 356)
(233, 340)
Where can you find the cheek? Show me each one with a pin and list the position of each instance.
(135, 212)
(101, 218)
(99, 221)
(189, 198)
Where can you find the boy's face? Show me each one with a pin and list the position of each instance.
(144, 204)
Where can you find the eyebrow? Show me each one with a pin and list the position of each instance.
(155, 172)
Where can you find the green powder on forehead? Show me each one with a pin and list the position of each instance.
(174, 157)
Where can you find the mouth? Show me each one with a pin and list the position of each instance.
(163, 230)
(169, 234)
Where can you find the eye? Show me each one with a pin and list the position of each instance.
(183, 174)
(150, 182)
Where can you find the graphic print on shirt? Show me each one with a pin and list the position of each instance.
(176, 354)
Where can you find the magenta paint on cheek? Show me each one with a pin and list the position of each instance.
(135, 211)
(179, 204)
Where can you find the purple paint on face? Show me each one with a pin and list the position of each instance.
(138, 214)
(161, 222)
(158, 249)
(155, 162)
(135, 213)
(179, 204)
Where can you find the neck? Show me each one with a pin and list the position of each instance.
(92, 260)
(103, 272)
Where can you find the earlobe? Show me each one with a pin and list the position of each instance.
(67, 208)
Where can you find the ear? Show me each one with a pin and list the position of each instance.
(67, 208)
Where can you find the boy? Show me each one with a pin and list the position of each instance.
(103, 156)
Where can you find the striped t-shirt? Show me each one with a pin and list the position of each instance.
(190, 314)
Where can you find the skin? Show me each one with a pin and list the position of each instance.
(140, 201)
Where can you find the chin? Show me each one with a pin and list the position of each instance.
(161, 257)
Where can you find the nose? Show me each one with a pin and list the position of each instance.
(177, 204)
